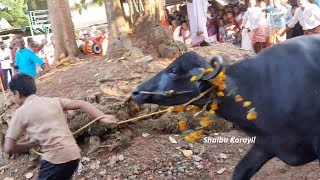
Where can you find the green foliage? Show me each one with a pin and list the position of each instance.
(82, 5)
(14, 11)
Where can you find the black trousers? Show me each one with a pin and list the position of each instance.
(49, 171)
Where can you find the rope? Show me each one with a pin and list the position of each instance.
(132, 119)
(198, 97)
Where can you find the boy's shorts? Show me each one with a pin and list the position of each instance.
(49, 171)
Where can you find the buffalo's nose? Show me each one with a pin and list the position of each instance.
(135, 92)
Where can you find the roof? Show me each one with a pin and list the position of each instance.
(4, 24)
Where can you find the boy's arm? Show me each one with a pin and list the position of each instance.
(11, 146)
(89, 109)
(15, 130)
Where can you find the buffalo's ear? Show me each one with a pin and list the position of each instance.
(217, 63)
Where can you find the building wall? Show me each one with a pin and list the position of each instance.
(92, 16)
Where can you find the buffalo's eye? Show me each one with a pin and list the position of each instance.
(172, 71)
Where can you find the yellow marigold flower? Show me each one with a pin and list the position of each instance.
(170, 109)
(214, 106)
(238, 98)
(189, 138)
(212, 112)
(205, 122)
(197, 135)
(194, 136)
(208, 71)
(222, 87)
(179, 109)
(246, 104)
(221, 75)
(182, 125)
(220, 94)
(252, 115)
(193, 78)
(218, 83)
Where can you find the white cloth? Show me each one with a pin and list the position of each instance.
(5, 58)
(176, 34)
(49, 53)
(197, 14)
(308, 18)
(254, 16)
(238, 18)
(213, 38)
(246, 40)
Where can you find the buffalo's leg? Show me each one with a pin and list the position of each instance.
(251, 163)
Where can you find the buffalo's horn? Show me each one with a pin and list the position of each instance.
(196, 72)
(217, 68)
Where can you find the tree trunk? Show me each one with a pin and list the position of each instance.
(117, 24)
(63, 30)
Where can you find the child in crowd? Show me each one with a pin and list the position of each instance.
(43, 119)
(182, 34)
(222, 31)
(232, 30)
(212, 25)
(175, 24)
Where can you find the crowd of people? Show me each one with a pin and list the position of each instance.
(92, 42)
(21, 57)
(21, 54)
(255, 26)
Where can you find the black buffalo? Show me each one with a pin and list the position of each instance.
(283, 84)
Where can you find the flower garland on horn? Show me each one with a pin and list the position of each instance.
(206, 121)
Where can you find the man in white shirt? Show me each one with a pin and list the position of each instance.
(308, 15)
(254, 16)
(5, 64)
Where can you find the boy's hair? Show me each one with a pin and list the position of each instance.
(23, 83)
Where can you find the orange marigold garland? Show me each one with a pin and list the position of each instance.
(219, 87)
(252, 114)
(238, 98)
(179, 109)
(194, 136)
(214, 106)
(246, 104)
(182, 125)
(205, 122)
(208, 71)
(193, 78)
